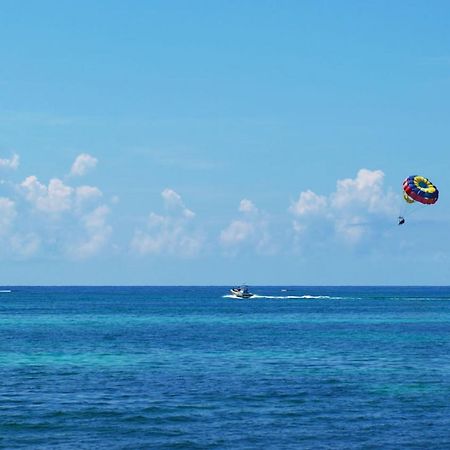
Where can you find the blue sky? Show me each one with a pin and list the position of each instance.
(222, 142)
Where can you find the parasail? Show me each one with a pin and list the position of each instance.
(419, 189)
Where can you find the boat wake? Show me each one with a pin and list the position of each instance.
(283, 297)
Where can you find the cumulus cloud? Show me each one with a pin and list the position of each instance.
(352, 211)
(309, 203)
(12, 241)
(249, 231)
(365, 191)
(86, 195)
(7, 214)
(97, 233)
(82, 164)
(237, 231)
(57, 197)
(11, 163)
(173, 201)
(247, 206)
(54, 198)
(170, 234)
(57, 217)
(54, 218)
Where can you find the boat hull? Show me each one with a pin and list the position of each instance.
(240, 294)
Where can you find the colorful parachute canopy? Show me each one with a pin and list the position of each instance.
(420, 189)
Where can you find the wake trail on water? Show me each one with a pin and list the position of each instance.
(284, 297)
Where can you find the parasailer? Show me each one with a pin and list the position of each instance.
(417, 188)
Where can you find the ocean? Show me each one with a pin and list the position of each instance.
(192, 368)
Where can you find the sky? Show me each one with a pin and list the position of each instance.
(219, 143)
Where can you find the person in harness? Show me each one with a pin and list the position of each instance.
(401, 220)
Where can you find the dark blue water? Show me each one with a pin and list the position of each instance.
(188, 368)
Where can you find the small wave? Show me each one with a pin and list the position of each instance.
(4, 291)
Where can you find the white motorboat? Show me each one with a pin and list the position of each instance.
(241, 292)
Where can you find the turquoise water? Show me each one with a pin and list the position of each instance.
(189, 367)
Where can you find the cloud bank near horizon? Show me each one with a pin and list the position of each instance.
(54, 220)
(62, 219)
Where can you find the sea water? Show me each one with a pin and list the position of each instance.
(192, 368)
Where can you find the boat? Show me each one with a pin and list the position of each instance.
(241, 292)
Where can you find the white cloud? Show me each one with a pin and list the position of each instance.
(8, 214)
(83, 163)
(351, 228)
(309, 203)
(247, 206)
(22, 245)
(359, 203)
(86, 195)
(365, 191)
(250, 231)
(64, 219)
(55, 218)
(170, 234)
(98, 233)
(238, 231)
(54, 198)
(12, 163)
(169, 239)
(173, 201)
(172, 198)
(353, 210)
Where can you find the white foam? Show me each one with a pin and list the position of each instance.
(284, 297)
(292, 296)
